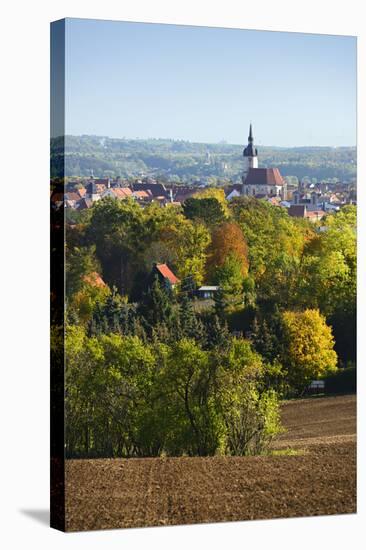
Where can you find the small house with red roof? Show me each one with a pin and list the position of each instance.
(165, 275)
(94, 279)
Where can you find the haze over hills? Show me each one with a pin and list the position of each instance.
(188, 162)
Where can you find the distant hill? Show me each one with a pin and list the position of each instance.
(187, 162)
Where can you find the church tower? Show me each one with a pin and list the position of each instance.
(250, 155)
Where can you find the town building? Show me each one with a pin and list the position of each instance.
(264, 182)
(260, 182)
(164, 275)
(93, 190)
(301, 211)
(117, 193)
(207, 292)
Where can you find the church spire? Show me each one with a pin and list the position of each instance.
(250, 138)
(250, 155)
(250, 150)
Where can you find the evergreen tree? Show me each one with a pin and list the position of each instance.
(137, 329)
(207, 209)
(72, 316)
(93, 328)
(112, 307)
(264, 340)
(116, 325)
(218, 335)
(156, 306)
(190, 324)
(188, 319)
(220, 304)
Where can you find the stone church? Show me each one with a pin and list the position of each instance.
(260, 182)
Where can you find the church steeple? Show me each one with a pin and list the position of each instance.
(250, 155)
(250, 138)
(250, 150)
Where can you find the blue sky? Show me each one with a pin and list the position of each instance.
(206, 84)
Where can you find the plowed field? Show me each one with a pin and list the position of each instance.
(319, 479)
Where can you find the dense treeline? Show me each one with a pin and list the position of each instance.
(154, 370)
(183, 161)
(130, 398)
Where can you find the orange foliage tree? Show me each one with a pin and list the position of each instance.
(227, 241)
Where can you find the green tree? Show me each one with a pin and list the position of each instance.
(275, 244)
(264, 340)
(120, 235)
(230, 280)
(80, 262)
(82, 304)
(208, 210)
(190, 325)
(217, 333)
(251, 417)
(188, 380)
(157, 308)
(190, 241)
(328, 278)
(218, 194)
(108, 384)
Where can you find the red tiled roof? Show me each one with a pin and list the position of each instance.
(264, 176)
(94, 279)
(122, 192)
(156, 189)
(142, 194)
(167, 273)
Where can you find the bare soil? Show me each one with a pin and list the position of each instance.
(320, 479)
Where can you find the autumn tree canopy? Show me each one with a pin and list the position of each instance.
(227, 240)
(308, 347)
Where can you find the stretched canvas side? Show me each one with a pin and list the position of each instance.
(57, 240)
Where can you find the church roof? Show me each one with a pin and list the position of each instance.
(264, 176)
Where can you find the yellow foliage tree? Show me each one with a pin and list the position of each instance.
(84, 301)
(308, 352)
